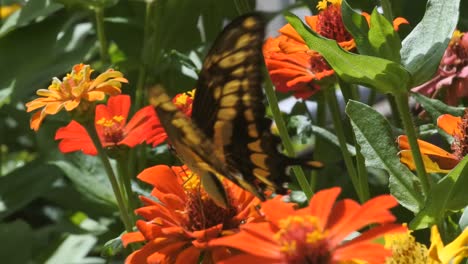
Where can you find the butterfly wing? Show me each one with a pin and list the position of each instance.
(228, 107)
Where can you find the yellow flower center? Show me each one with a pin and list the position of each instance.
(322, 5)
(405, 249)
(112, 128)
(302, 240)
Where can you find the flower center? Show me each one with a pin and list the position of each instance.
(460, 142)
(201, 210)
(302, 240)
(405, 249)
(112, 129)
(330, 24)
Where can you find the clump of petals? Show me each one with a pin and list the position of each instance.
(111, 126)
(317, 233)
(179, 228)
(74, 92)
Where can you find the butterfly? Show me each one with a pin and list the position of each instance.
(228, 135)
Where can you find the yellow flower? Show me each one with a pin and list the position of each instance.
(405, 249)
(6, 11)
(453, 253)
(69, 93)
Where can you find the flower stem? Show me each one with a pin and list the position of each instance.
(283, 132)
(110, 174)
(401, 101)
(99, 12)
(339, 130)
(242, 6)
(126, 184)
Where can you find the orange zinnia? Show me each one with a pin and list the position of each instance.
(317, 233)
(436, 159)
(178, 228)
(184, 102)
(69, 93)
(293, 66)
(111, 126)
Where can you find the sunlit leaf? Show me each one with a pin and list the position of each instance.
(373, 134)
(446, 195)
(424, 46)
(381, 74)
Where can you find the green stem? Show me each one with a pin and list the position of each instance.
(321, 119)
(401, 101)
(242, 6)
(362, 174)
(339, 130)
(126, 183)
(99, 12)
(283, 132)
(110, 174)
(387, 10)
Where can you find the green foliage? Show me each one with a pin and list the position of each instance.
(423, 48)
(373, 134)
(381, 74)
(448, 194)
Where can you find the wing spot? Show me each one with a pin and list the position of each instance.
(249, 115)
(253, 133)
(249, 23)
(262, 175)
(217, 92)
(229, 100)
(223, 134)
(231, 87)
(243, 41)
(255, 146)
(233, 59)
(259, 159)
(227, 113)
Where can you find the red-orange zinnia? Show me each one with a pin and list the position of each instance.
(73, 92)
(436, 159)
(293, 66)
(111, 126)
(317, 233)
(184, 102)
(178, 228)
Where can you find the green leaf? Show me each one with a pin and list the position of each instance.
(112, 247)
(446, 195)
(423, 48)
(463, 222)
(373, 134)
(89, 178)
(25, 184)
(56, 48)
(17, 242)
(74, 249)
(31, 11)
(357, 26)
(384, 40)
(381, 74)
(436, 108)
(332, 138)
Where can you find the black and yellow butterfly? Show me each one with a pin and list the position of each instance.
(228, 134)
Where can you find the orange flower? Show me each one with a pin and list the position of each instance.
(111, 126)
(436, 159)
(69, 93)
(293, 66)
(184, 102)
(178, 228)
(317, 233)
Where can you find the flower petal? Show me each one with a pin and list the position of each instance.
(449, 124)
